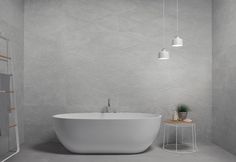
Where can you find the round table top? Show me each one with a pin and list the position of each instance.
(177, 122)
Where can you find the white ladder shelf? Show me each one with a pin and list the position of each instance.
(4, 57)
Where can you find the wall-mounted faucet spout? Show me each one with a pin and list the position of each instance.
(108, 107)
(109, 102)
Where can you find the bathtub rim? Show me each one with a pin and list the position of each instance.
(145, 116)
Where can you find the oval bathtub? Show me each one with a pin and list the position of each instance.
(106, 132)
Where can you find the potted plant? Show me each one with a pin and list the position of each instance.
(182, 110)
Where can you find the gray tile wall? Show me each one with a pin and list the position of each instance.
(224, 74)
(79, 53)
(11, 26)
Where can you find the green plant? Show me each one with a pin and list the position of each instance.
(183, 108)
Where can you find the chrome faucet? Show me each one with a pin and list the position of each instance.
(108, 107)
(109, 102)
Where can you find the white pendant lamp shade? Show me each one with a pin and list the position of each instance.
(163, 54)
(177, 42)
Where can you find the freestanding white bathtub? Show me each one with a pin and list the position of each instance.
(106, 132)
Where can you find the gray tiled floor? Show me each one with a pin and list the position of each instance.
(54, 152)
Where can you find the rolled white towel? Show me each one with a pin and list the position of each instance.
(188, 120)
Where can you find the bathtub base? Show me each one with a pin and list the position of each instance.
(112, 150)
(111, 133)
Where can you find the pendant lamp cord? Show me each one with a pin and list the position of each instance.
(177, 16)
(163, 18)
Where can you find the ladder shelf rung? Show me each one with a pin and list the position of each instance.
(2, 91)
(4, 38)
(2, 59)
(12, 109)
(7, 74)
(5, 57)
(12, 126)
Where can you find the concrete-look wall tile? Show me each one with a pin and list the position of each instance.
(224, 74)
(79, 53)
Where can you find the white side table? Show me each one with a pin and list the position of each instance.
(179, 125)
